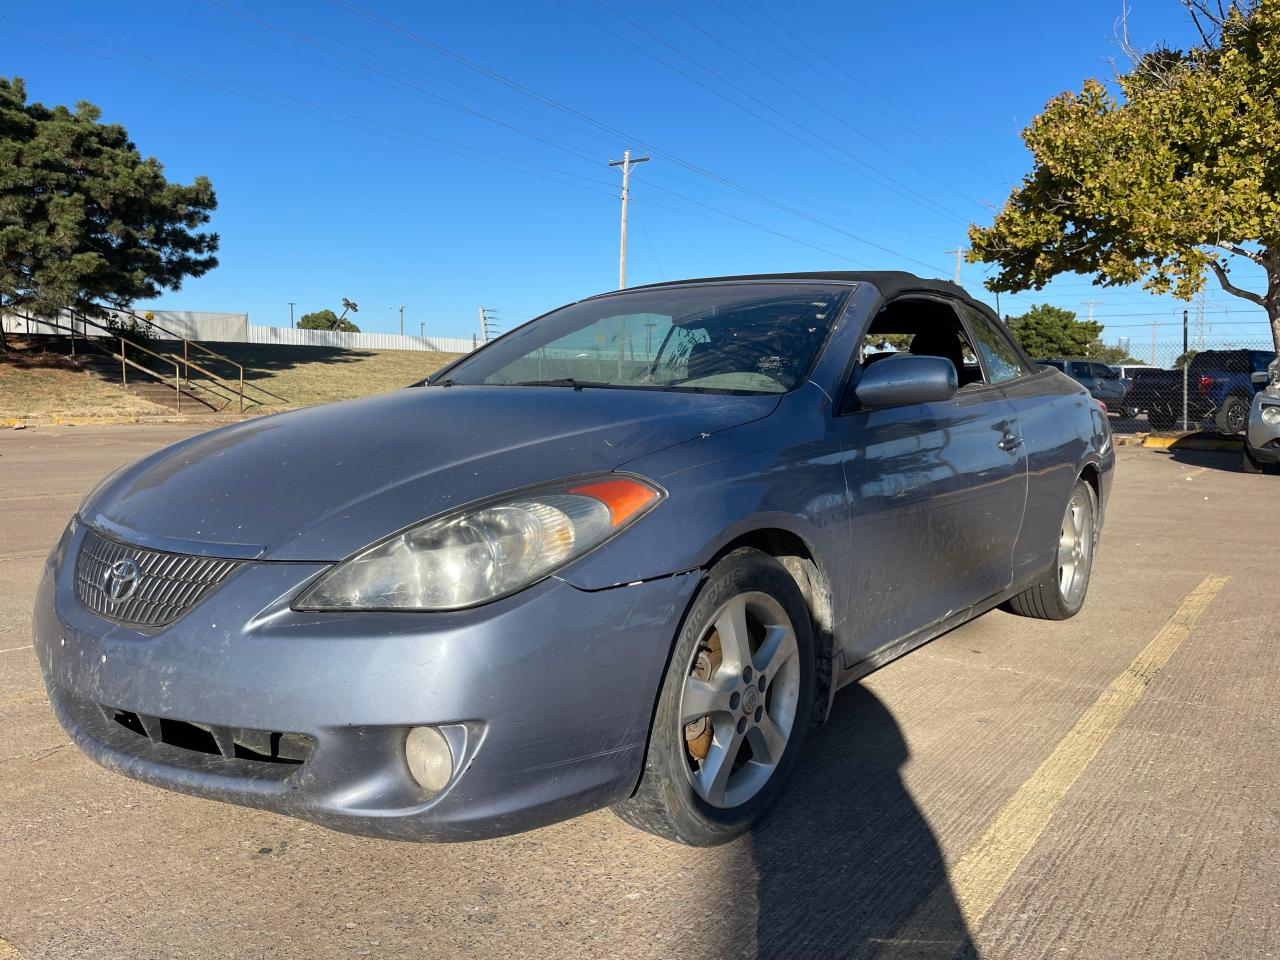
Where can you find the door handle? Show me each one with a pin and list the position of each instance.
(1010, 441)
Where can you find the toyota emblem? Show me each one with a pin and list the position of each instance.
(121, 580)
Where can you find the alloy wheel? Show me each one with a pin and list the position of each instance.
(738, 706)
(1236, 417)
(1075, 546)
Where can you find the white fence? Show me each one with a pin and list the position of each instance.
(358, 341)
(202, 325)
(235, 328)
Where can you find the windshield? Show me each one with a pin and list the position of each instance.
(723, 338)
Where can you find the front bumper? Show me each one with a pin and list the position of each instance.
(1263, 439)
(546, 697)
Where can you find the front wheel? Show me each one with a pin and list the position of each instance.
(734, 708)
(1060, 593)
(1249, 463)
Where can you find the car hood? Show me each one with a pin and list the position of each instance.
(319, 484)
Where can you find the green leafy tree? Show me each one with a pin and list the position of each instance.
(1047, 331)
(86, 222)
(327, 320)
(1173, 175)
(1111, 355)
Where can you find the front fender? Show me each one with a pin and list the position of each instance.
(783, 472)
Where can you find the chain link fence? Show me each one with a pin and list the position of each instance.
(1208, 387)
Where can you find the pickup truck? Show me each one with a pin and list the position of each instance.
(1102, 381)
(1220, 384)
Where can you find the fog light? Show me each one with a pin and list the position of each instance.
(429, 757)
(1271, 415)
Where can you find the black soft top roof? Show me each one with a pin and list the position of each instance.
(890, 283)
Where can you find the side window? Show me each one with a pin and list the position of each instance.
(1103, 372)
(1001, 361)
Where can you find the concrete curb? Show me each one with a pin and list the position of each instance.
(1193, 441)
(1180, 441)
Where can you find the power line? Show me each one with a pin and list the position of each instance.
(810, 51)
(653, 252)
(833, 152)
(613, 131)
(816, 105)
(423, 91)
(715, 213)
(406, 135)
(317, 110)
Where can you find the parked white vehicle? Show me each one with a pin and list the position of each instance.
(1262, 436)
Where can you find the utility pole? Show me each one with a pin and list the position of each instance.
(626, 163)
(959, 252)
(1185, 365)
(422, 329)
(402, 319)
(292, 304)
(1091, 304)
(1199, 335)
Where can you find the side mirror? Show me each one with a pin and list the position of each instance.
(906, 379)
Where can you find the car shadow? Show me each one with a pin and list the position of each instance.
(846, 864)
(1225, 460)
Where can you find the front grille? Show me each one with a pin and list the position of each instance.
(229, 743)
(143, 587)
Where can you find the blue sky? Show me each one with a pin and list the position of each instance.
(818, 135)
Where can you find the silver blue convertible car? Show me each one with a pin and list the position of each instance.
(625, 554)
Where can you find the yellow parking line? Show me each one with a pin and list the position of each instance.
(985, 868)
(8, 951)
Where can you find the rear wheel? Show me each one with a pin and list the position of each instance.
(1060, 593)
(1233, 415)
(1161, 418)
(734, 707)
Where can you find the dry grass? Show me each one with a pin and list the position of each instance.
(304, 376)
(46, 385)
(41, 385)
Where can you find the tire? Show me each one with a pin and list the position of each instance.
(1249, 463)
(1052, 598)
(1233, 416)
(760, 709)
(1161, 418)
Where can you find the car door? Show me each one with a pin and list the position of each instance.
(936, 495)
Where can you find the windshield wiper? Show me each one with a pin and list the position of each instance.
(562, 382)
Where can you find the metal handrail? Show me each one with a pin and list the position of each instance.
(238, 389)
(125, 362)
(213, 353)
(172, 359)
(124, 381)
(186, 359)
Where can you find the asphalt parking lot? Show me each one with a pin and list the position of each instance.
(1105, 787)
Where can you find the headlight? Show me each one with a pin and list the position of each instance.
(1270, 414)
(484, 551)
